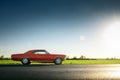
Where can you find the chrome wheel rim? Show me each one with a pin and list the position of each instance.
(25, 60)
(58, 61)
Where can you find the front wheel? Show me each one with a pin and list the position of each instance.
(58, 61)
(25, 61)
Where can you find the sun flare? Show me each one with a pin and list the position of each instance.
(112, 38)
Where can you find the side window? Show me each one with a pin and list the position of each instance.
(39, 52)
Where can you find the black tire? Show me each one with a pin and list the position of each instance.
(58, 61)
(25, 61)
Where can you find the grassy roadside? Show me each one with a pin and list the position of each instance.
(70, 62)
(9, 62)
(102, 61)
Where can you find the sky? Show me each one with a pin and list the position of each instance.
(72, 27)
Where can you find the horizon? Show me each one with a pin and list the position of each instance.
(72, 27)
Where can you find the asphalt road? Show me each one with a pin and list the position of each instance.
(60, 72)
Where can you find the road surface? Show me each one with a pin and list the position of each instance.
(60, 72)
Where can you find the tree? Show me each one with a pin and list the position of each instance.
(74, 58)
(82, 57)
(2, 57)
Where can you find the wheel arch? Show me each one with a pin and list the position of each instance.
(25, 57)
(58, 57)
(25, 63)
(57, 62)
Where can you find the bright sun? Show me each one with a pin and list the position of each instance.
(112, 38)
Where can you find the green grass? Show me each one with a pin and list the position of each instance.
(92, 61)
(9, 62)
(70, 62)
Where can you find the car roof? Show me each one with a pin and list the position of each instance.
(38, 50)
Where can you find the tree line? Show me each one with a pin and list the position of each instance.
(4, 58)
(82, 57)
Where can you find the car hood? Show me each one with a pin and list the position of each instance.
(13, 55)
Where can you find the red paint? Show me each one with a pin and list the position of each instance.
(33, 56)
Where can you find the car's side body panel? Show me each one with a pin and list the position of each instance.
(36, 55)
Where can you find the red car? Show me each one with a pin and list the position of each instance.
(39, 56)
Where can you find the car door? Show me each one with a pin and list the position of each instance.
(41, 55)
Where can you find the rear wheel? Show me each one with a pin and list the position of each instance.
(58, 61)
(25, 61)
